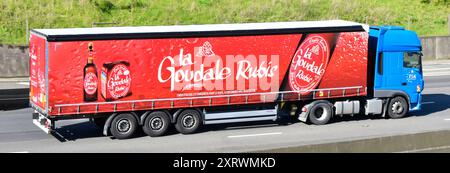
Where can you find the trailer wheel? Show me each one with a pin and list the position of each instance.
(123, 126)
(320, 113)
(188, 122)
(397, 107)
(156, 124)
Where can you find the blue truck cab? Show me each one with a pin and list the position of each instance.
(397, 71)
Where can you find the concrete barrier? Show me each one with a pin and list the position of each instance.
(436, 47)
(14, 59)
(420, 142)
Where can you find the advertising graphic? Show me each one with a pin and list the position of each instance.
(309, 62)
(171, 71)
(116, 80)
(90, 78)
(348, 63)
(37, 71)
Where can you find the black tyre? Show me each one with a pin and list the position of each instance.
(397, 108)
(188, 122)
(320, 113)
(100, 122)
(123, 126)
(156, 124)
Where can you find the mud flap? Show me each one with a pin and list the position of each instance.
(303, 116)
(385, 107)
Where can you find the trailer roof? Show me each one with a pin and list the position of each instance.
(102, 33)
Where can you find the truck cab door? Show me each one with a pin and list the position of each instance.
(402, 71)
(412, 81)
(393, 78)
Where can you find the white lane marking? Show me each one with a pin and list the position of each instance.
(434, 69)
(447, 119)
(252, 135)
(23, 83)
(436, 73)
(424, 103)
(19, 152)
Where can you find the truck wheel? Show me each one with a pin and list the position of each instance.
(397, 107)
(156, 124)
(188, 122)
(320, 113)
(123, 126)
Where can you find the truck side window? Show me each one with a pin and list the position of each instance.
(411, 60)
(380, 64)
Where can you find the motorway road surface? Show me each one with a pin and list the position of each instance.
(18, 134)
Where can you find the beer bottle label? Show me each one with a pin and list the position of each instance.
(120, 81)
(90, 83)
(116, 80)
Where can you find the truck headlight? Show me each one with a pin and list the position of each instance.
(418, 89)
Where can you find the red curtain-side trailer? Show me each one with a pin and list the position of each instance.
(152, 77)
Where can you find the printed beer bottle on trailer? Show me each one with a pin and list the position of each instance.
(309, 62)
(90, 83)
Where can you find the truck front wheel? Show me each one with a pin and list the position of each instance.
(188, 122)
(156, 124)
(397, 107)
(123, 126)
(320, 113)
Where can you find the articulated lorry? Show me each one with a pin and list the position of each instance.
(188, 76)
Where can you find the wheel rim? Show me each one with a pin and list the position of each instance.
(188, 121)
(397, 107)
(320, 113)
(156, 123)
(123, 126)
